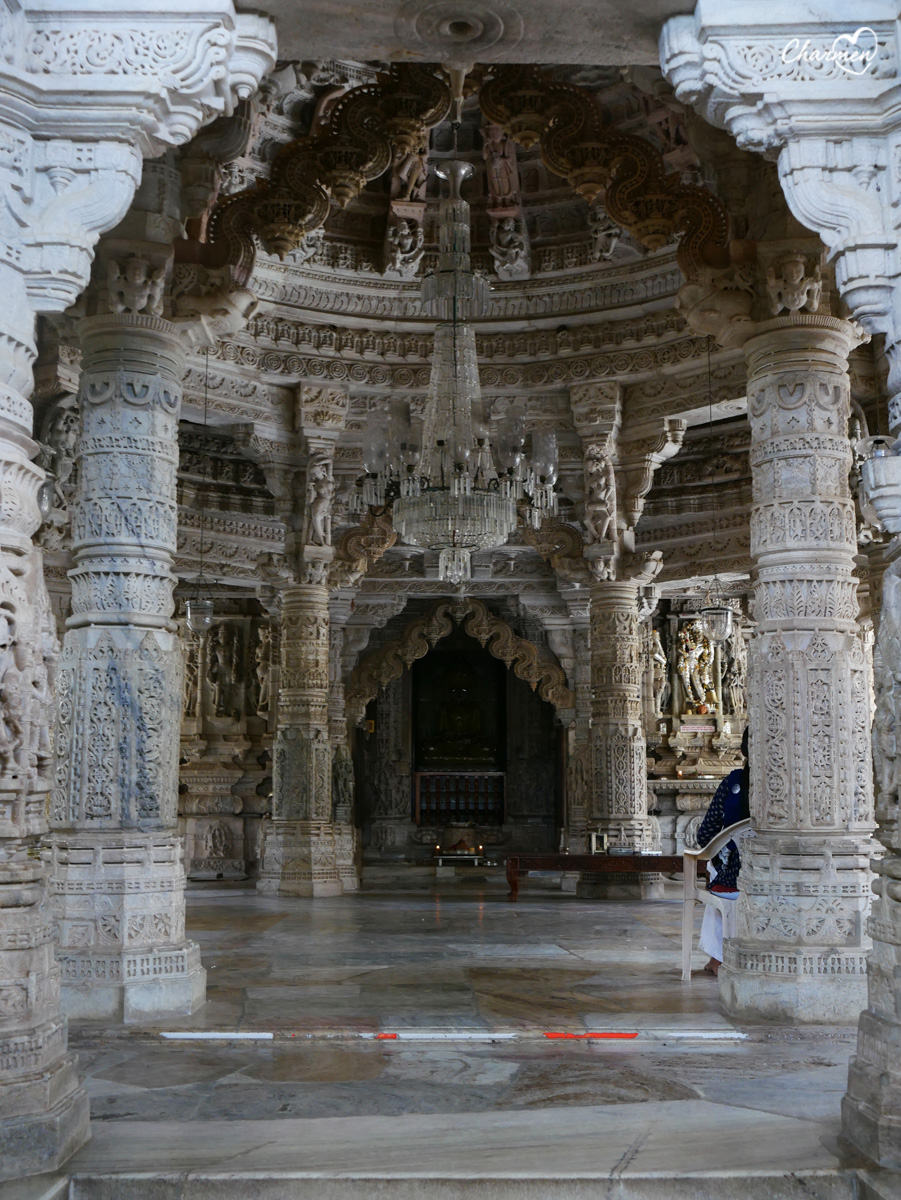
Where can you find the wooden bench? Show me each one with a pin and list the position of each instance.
(694, 864)
(597, 864)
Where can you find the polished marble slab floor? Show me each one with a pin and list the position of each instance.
(319, 1102)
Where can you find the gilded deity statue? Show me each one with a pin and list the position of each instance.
(694, 663)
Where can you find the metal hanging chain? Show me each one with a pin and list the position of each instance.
(206, 396)
(712, 469)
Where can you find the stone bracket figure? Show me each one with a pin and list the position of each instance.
(320, 496)
(509, 248)
(405, 246)
(600, 500)
(502, 174)
(605, 234)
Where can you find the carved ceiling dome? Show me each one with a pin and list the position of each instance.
(527, 222)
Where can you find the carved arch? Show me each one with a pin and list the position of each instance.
(355, 145)
(639, 194)
(390, 661)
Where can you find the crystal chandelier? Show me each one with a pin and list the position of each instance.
(450, 493)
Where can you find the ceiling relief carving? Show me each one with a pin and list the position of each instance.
(354, 143)
(638, 192)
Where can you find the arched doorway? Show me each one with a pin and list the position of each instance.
(459, 749)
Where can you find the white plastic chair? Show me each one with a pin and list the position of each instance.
(696, 889)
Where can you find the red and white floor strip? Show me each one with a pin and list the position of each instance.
(661, 1034)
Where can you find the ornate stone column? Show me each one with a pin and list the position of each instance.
(619, 802)
(71, 160)
(43, 1111)
(347, 836)
(820, 149)
(299, 844)
(801, 946)
(298, 847)
(117, 874)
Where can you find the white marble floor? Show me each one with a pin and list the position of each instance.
(324, 1108)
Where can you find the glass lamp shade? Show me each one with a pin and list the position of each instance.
(199, 614)
(45, 499)
(716, 622)
(375, 446)
(544, 456)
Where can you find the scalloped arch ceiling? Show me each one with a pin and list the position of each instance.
(599, 32)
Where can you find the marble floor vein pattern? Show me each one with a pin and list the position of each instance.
(452, 960)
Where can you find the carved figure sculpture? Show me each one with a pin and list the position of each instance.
(342, 785)
(600, 503)
(499, 152)
(410, 174)
(134, 287)
(694, 663)
(736, 673)
(509, 248)
(219, 669)
(218, 841)
(263, 660)
(61, 438)
(661, 681)
(406, 243)
(605, 234)
(795, 290)
(192, 680)
(12, 700)
(320, 494)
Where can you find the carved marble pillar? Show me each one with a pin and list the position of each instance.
(800, 951)
(71, 159)
(619, 801)
(871, 1109)
(117, 874)
(299, 841)
(43, 1112)
(346, 835)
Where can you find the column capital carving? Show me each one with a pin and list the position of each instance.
(779, 85)
(103, 92)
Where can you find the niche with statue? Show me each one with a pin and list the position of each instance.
(695, 710)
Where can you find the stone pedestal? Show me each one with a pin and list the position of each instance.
(299, 859)
(299, 843)
(122, 947)
(619, 797)
(800, 951)
(117, 878)
(213, 826)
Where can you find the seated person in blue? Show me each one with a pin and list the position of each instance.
(729, 804)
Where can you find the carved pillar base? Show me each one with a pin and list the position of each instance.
(347, 840)
(119, 901)
(213, 826)
(44, 1114)
(800, 952)
(611, 886)
(299, 859)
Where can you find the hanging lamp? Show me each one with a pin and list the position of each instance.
(450, 492)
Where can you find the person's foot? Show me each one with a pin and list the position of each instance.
(712, 966)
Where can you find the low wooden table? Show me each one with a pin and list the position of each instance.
(598, 864)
